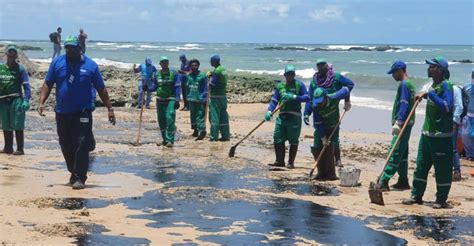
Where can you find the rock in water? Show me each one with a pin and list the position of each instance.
(22, 59)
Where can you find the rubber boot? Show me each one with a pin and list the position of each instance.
(292, 156)
(20, 142)
(8, 140)
(330, 165)
(315, 152)
(280, 155)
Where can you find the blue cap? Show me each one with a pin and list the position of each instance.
(318, 96)
(438, 61)
(182, 57)
(397, 64)
(216, 58)
(71, 41)
(148, 61)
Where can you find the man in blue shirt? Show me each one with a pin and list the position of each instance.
(74, 76)
(468, 122)
(183, 72)
(147, 71)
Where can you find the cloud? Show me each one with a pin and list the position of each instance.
(357, 19)
(327, 14)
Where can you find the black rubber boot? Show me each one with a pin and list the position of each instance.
(401, 185)
(8, 140)
(412, 200)
(280, 156)
(315, 152)
(195, 133)
(292, 156)
(20, 142)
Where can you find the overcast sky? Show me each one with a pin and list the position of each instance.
(266, 21)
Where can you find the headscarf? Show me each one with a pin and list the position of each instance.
(327, 80)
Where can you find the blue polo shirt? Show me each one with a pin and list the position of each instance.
(74, 83)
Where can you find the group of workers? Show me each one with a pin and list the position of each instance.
(76, 75)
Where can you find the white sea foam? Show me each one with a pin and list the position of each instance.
(125, 46)
(107, 62)
(369, 102)
(343, 47)
(146, 46)
(41, 60)
(306, 73)
(365, 61)
(191, 45)
(105, 44)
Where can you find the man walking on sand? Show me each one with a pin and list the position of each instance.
(184, 71)
(402, 106)
(197, 91)
(13, 102)
(290, 94)
(146, 83)
(74, 76)
(324, 104)
(218, 115)
(167, 101)
(436, 144)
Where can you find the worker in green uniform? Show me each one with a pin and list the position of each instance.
(402, 106)
(326, 90)
(436, 145)
(13, 102)
(218, 115)
(289, 94)
(197, 87)
(167, 101)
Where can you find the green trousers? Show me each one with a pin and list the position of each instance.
(317, 139)
(11, 114)
(197, 115)
(398, 162)
(166, 120)
(219, 118)
(287, 128)
(437, 151)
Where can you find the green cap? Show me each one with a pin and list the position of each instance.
(320, 61)
(318, 96)
(289, 68)
(71, 41)
(164, 58)
(12, 47)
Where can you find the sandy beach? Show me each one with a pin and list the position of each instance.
(154, 195)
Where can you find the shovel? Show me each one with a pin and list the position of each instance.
(375, 191)
(232, 149)
(316, 163)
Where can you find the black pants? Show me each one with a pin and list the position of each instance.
(184, 93)
(74, 131)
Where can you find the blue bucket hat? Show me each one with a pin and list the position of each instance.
(215, 58)
(318, 96)
(71, 41)
(397, 64)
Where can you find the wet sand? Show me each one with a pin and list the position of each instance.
(194, 193)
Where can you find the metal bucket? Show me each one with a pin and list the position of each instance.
(349, 176)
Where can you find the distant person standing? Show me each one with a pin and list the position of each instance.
(184, 71)
(55, 38)
(82, 40)
(74, 76)
(468, 122)
(148, 72)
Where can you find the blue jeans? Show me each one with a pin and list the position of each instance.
(140, 93)
(456, 162)
(57, 50)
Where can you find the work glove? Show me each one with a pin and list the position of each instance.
(209, 74)
(268, 116)
(176, 105)
(325, 141)
(289, 96)
(25, 106)
(347, 105)
(306, 120)
(93, 106)
(395, 129)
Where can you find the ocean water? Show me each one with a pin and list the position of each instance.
(374, 88)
